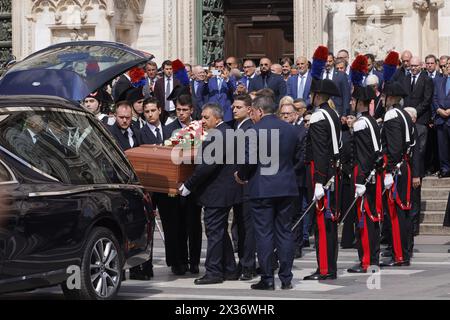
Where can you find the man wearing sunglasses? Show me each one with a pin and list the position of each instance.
(268, 80)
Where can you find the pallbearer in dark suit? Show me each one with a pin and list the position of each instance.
(273, 193)
(323, 148)
(242, 213)
(187, 219)
(368, 186)
(217, 192)
(126, 135)
(154, 133)
(397, 139)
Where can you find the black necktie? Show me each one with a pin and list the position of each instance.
(413, 83)
(328, 75)
(158, 136)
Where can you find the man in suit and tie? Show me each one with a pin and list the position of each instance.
(373, 71)
(342, 103)
(441, 113)
(151, 70)
(197, 90)
(420, 89)
(300, 107)
(126, 135)
(249, 75)
(217, 192)
(242, 215)
(163, 89)
(220, 89)
(182, 221)
(431, 63)
(298, 86)
(153, 131)
(268, 80)
(273, 195)
(405, 69)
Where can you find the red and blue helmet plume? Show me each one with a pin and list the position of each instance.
(180, 73)
(358, 70)
(390, 65)
(137, 76)
(319, 61)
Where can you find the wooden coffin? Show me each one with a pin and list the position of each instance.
(156, 170)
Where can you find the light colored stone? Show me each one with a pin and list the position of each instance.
(168, 28)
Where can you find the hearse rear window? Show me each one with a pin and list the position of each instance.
(63, 144)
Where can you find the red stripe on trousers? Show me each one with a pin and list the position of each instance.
(364, 241)
(323, 246)
(395, 226)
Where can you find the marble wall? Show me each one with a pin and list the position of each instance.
(168, 28)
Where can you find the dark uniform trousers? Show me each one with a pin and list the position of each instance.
(219, 257)
(191, 218)
(325, 233)
(348, 230)
(273, 222)
(169, 212)
(399, 208)
(246, 236)
(368, 227)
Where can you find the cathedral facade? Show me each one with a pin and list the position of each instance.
(198, 31)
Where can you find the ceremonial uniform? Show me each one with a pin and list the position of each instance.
(325, 141)
(397, 138)
(370, 206)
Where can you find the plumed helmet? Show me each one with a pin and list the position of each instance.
(365, 94)
(394, 89)
(325, 86)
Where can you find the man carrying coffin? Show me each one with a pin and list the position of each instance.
(217, 192)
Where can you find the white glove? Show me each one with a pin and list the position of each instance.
(388, 181)
(360, 190)
(184, 191)
(319, 192)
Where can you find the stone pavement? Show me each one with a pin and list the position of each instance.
(427, 278)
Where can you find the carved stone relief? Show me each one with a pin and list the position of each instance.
(377, 39)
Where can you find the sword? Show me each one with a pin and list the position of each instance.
(313, 203)
(372, 174)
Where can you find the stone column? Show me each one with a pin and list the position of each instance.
(20, 29)
(309, 19)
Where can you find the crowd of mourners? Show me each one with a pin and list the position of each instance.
(364, 134)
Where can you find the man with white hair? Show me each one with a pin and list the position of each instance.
(405, 69)
(376, 104)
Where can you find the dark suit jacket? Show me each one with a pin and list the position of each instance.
(198, 99)
(343, 102)
(123, 141)
(292, 88)
(300, 168)
(274, 82)
(283, 183)
(223, 95)
(147, 136)
(122, 85)
(160, 90)
(214, 183)
(421, 97)
(399, 75)
(440, 100)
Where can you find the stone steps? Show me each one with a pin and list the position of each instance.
(434, 205)
(433, 182)
(432, 217)
(435, 194)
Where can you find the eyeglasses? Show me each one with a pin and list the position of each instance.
(286, 113)
(264, 65)
(229, 63)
